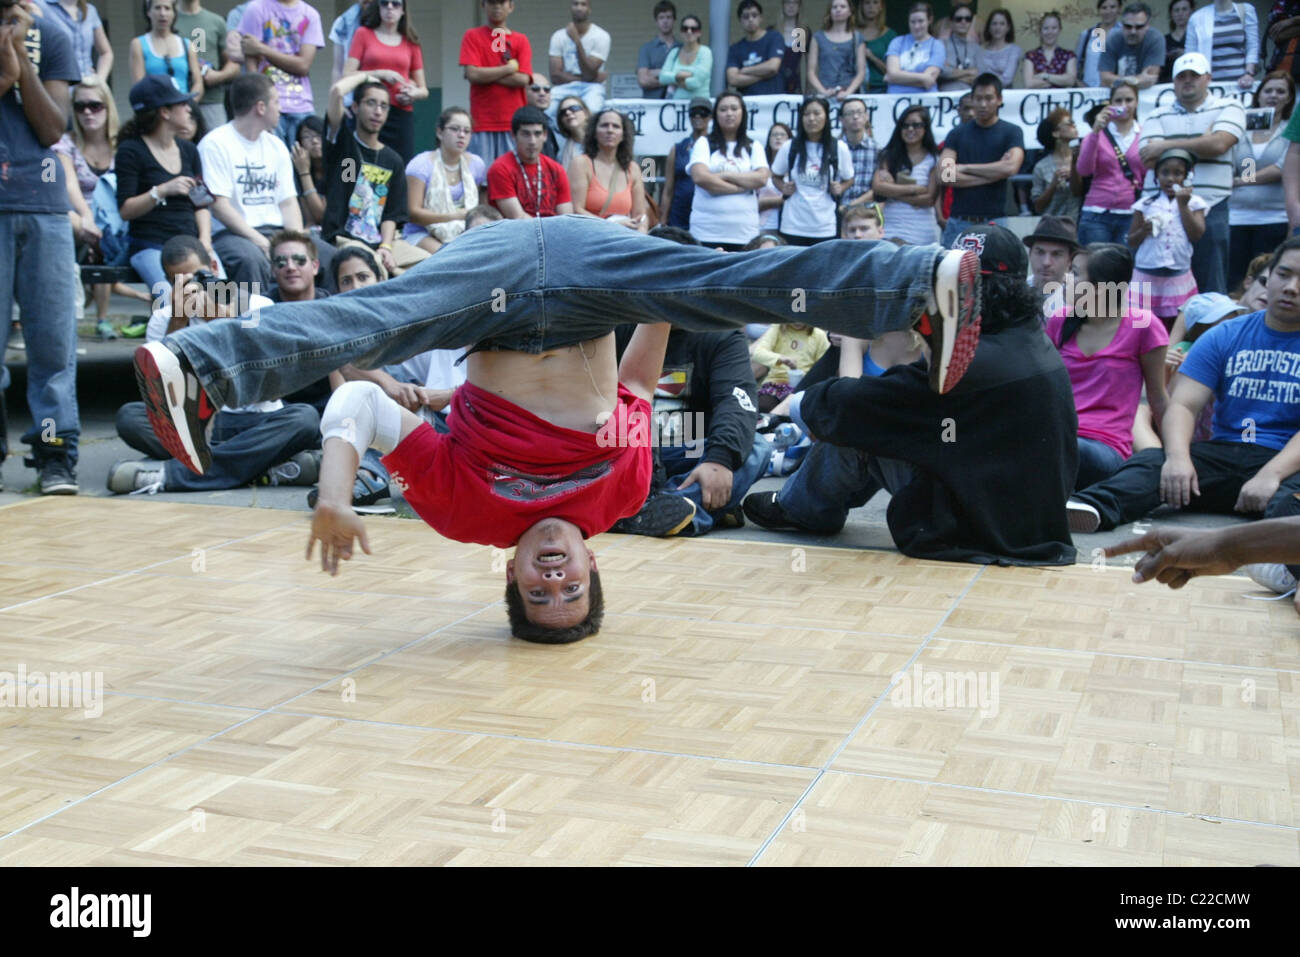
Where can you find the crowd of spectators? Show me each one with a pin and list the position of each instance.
(225, 170)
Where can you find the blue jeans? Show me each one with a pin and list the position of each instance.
(288, 128)
(1097, 461)
(530, 285)
(834, 479)
(1104, 227)
(678, 465)
(1211, 252)
(244, 444)
(36, 253)
(955, 228)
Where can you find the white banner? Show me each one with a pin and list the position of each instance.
(661, 123)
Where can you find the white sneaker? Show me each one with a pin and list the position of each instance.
(1276, 578)
(1082, 516)
(134, 478)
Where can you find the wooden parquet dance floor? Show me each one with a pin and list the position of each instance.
(739, 706)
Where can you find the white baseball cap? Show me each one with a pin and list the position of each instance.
(1193, 61)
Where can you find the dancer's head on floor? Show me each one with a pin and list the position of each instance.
(553, 593)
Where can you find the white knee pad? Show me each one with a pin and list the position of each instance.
(361, 414)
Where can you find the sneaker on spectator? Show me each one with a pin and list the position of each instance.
(951, 323)
(1083, 517)
(16, 338)
(179, 410)
(367, 489)
(135, 330)
(303, 470)
(662, 515)
(1276, 578)
(763, 509)
(144, 476)
(57, 476)
(731, 518)
(104, 329)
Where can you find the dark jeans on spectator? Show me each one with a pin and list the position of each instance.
(1111, 227)
(36, 257)
(1222, 468)
(1249, 242)
(677, 464)
(1210, 253)
(1097, 461)
(834, 479)
(244, 444)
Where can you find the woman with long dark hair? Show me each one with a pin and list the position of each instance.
(812, 171)
(161, 51)
(728, 170)
(605, 181)
(1110, 349)
(444, 184)
(770, 199)
(907, 179)
(1109, 155)
(387, 47)
(160, 190)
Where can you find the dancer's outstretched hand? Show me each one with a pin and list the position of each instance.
(335, 527)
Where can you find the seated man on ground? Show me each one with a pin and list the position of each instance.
(1250, 367)
(545, 448)
(259, 439)
(707, 453)
(976, 475)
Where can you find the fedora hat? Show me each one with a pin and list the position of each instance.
(1055, 229)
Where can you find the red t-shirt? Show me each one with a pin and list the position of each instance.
(507, 178)
(371, 54)
(501, 469)
(491, 105)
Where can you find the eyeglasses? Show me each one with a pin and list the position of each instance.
(961, 19)
(689, 29)
(538, 88)
(89, 106)
(459, 130)
(911, 126)
(298, 260)
(573, 108)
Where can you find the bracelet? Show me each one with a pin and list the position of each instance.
(388, 246)
(311, 192)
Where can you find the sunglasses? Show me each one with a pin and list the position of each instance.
(961, 19)
(689, 29)
(538, 88)
(573, 108)
(911, 126)
(89, 106)
(298, 260)
(397, 4)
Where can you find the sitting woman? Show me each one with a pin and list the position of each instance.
(1110, 349)
(309, 169)
(443, 184)
(605, 182)
(573, 118)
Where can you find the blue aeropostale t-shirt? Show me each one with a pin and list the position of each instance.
(1255, 374)
(751, 52)
(31, 177)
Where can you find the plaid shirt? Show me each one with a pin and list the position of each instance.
(864, 167)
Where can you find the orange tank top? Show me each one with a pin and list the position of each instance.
(597, 192)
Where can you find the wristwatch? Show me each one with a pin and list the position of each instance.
(157, 196)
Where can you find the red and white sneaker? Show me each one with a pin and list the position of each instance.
(951, 325)
(179, 410)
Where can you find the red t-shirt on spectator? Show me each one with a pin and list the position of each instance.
(501, 469)
(492, 105)
(508, 178)
(372, 54)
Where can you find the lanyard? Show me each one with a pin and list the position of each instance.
(524, 170)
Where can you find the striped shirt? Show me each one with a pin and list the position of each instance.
(1229, 46)
(1213, 177)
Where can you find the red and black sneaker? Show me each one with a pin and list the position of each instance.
(952, 325)
(179, 410)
